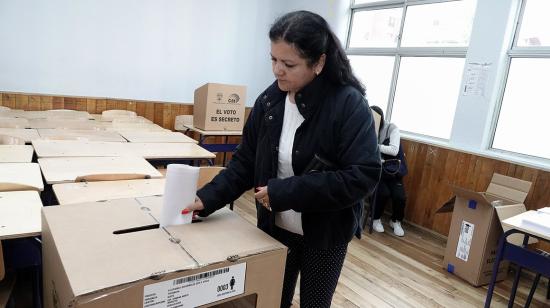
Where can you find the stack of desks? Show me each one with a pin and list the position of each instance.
(108, 155)
(163, 137)
(80, 134)
(20, 207)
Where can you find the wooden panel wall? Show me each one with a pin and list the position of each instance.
(433, 169)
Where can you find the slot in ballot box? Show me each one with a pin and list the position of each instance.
(113, 254)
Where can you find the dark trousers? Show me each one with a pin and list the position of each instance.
(390, 189)
(319, 271)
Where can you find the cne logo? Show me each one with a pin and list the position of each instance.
(233, 98)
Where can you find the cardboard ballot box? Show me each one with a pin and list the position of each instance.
(112, 254)
(475, 227)
(219, 107)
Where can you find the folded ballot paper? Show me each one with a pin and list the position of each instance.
(539, 218)
(180, 190)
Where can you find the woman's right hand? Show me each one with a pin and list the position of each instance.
(195, 206)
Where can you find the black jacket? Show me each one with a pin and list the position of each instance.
(339, 127)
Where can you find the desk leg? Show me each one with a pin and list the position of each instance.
(514, 288)
(516, 278)
(225, 153)
(532, 291)
(500, 253)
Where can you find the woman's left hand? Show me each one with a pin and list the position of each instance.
(262, 196)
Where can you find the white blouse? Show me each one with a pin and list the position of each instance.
(289, 220)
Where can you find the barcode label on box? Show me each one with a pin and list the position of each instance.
(196, 290)
(465, 240)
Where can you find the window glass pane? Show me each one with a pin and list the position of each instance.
(375, 28)
(535, 24)
(426, 95)
(446, 24)
(523, 122)
(375, 72)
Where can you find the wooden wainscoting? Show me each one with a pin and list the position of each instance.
(432, 171)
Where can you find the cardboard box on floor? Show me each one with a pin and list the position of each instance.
(476, 229)
(112, 254)
(219, 107)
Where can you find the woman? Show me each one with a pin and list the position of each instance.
(309, 149)
(390, 185)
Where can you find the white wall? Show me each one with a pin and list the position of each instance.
(491, 36)
(336, 12)
(135, 49)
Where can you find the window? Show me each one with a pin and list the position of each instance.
(375, 72)
(522, 125)
(426, 105)
(410, 56)
(375, 28)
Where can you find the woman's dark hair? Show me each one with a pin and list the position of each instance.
(311, 36)
(380, 112)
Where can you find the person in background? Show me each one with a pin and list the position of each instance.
(391, 184)
(309, 149)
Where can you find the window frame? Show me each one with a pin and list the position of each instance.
(514, 52)
(399, 52)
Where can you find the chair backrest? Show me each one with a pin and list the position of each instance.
(181, 120)
(6, 139)
(206, 174)
(377, 118)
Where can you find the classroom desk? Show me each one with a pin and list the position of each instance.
(66, 124)
(26, 134)
(20, 214)
(78, 148)
(68, 169)
(16, 153)
(71, 193)
(20, 176)
(169, 151)
(521, 255)
(121, 118)
(80, 134)
(163, 137)
(133, 127)
(152, 151)
(215, 147)
(20, 218)
(56, 114)
(10, 122)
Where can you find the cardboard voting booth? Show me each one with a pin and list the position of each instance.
(476, 227)
(113, 254)
(219, 107)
